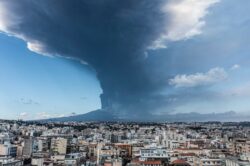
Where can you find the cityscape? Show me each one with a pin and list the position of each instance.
(119, 143)
(124, 83)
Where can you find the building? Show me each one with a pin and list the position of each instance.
(9, 161)
(37, 161)
(146, 163)
(205, 161)
(58, 159)
(8, 150)
(147, 153)
(58, 145)
(113, 162)
(154, 155)
(232, 161)
(28, 147)
(74, 159)
(126, 148)
(179, 162)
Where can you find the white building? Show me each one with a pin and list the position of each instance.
(154, 152)
(9, 161)
(236, 162)
(73, 159)
(37, 161)
(204, 161)
(59, 145)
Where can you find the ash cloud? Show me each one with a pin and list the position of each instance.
(110, 36)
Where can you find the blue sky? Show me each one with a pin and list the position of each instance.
(176, 56)
(39, 86)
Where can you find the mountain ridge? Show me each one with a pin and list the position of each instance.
(105, 115)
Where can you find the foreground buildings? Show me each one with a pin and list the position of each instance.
(118, 144)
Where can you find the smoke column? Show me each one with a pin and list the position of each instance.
(111, 36)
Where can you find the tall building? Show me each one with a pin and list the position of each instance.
(28, 147)
(59, 145)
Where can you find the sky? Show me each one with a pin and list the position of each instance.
(35, 87)
(132, 58)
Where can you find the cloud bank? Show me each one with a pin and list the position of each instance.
(199, 79)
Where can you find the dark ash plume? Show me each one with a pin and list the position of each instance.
(111, 36)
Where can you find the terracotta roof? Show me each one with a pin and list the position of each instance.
(157, 162)
(179, 161)
(152, 162)
(187, 154)
(187, 149)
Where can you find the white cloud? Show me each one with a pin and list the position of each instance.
(45, 115)
(37, 47)
(9, 21)
(23, 115)
(235, 67)
(6, 19)
(84, 62)
(198, 79)
(185, 20)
